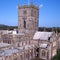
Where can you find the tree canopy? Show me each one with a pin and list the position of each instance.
(57, 57)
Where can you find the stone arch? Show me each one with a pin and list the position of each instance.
(43, 53)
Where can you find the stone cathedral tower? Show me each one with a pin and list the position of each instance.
(28, 16)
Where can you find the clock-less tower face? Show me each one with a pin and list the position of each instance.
(28, 18)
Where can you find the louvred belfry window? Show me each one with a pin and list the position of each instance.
(25, 12)
(32, 12)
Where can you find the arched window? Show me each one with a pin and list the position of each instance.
(43, 53)
(24, 24)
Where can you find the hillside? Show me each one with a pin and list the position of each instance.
(5, 27)
(49, 29)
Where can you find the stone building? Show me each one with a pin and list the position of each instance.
(26, 52)
(28, 16)
(12, 38)
(58, 41)
(29, 43)
(46, 43)
(16, 39)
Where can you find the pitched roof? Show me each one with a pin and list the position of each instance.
(8, 52)
(4, 45)
(42, 35)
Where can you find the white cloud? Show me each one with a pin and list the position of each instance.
(41, 5)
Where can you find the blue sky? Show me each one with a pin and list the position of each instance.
(49, 13)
